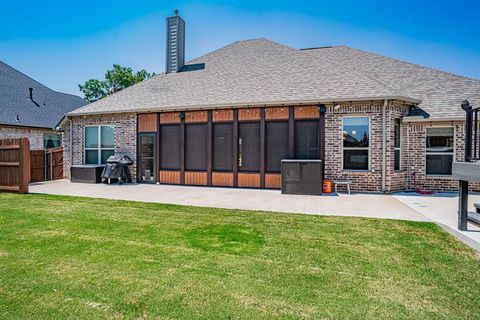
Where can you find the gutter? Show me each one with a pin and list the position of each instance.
(423, 120)
(70, 142)
(384, 145)
(242, 105)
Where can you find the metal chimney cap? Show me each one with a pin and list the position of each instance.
(175, 12)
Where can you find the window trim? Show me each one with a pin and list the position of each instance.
(99, 140)
(453, 153)
(400, 145)
(369, 148)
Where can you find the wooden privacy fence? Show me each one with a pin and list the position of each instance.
(14, 165)
(46, 164)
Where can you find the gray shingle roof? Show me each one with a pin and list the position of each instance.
(441, 92)
(250, 72)
(15, 101)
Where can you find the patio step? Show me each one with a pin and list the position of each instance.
(474, 217)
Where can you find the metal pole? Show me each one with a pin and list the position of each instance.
(463, 205)
(468, 130)
(51, 164)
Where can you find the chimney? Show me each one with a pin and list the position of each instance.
(31, 93)
(175, 43)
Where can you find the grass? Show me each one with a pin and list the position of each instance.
(79, 258)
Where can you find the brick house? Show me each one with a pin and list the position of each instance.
(228, 118)
(30, 110)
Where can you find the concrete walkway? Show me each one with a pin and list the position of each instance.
(440, 208)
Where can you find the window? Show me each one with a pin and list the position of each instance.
(222, 147)
(196, 147)
(99, 144)
(397, 140)
(249, 146)
(52, 140)
(439, 151)
(356, 135)
(306, 139)
(276, 144)
(170, 147)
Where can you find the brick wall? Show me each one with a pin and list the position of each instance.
(125, 125)
(35, 136)
(413, 137)
(416, 156)
(370, 180)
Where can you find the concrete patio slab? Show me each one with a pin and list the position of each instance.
(359, 205)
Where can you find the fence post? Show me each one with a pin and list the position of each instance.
(24, 167)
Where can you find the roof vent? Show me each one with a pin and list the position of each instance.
(175, 57)
(31, 97)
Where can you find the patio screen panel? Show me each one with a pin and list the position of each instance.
(306, 139)
(249, 147)
(222, 147)
(170, 147)
(196, 147)
(276, 145)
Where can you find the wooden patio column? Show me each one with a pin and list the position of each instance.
(235, 148)
(262, 148)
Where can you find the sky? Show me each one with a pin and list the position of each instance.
(64, 43)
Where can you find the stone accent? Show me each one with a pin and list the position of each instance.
(125, 125)
(35, 136)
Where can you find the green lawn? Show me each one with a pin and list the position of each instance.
(79, 258)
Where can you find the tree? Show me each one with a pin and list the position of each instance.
(115, 80)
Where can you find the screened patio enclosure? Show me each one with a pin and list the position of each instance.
(229, 147)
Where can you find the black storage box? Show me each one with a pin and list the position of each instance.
(302, 176)
(87, 173)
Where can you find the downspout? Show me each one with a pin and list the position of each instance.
(70, 141)
(384, 146)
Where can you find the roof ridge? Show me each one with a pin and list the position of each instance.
(361, 75)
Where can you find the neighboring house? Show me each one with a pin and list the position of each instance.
(29, 109)
(229, 117)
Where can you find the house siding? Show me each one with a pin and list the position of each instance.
(413, 137)
(35, 136)
(125, 125)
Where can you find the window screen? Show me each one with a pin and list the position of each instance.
(397, 137)
(306, 140)
(440, 151)
(99, 147)
(249, 146)
(356, 135)
(276, 145)
(196, 147)
(170, 147)
(222, 147)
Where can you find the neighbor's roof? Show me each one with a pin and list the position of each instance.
(441, 93)
(250, 72)
(17, 109)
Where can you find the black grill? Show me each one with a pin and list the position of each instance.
(117, 168)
